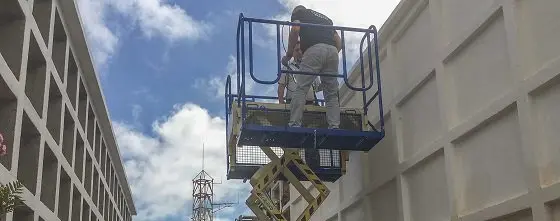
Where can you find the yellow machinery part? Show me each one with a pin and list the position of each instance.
(270, 172)
(253, 204)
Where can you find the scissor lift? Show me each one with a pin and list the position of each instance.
(262, 148)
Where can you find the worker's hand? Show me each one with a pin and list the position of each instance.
(285, 60)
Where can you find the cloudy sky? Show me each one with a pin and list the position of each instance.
(162, 66)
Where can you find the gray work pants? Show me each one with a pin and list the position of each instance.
(323, 59)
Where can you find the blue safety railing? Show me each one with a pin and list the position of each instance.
(240, 97)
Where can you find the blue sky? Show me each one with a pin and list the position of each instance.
(162, 66)
(174, 67)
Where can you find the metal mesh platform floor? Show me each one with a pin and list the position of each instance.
(250, 158)
(266, 125)
(308, 138)
(253, 155)
(313, 117)
(247, 171)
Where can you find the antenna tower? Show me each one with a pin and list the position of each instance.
(204, 208)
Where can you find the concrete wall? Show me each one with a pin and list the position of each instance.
(471, 91)
(54, 119)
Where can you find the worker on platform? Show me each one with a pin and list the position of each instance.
(320, 47)
(287, 83)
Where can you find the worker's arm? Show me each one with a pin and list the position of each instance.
(337, 41)
(292, 40)
(281, 89)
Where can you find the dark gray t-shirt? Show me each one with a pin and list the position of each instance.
(310, 36)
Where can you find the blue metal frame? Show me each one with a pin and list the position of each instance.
(241, 97)
(246, 171)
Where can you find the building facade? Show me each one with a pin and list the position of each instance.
(61, 146)
(471, 94)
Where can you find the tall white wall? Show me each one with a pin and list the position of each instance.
(54, 121)
(471, 92)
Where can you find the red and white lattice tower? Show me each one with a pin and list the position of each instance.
(203, 207)
(203, 197)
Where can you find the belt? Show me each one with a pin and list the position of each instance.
(306, 102)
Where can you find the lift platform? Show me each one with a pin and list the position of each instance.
(262, 148)
(252, 125)
(266, 125)
(274, 132)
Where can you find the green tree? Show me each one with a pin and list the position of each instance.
(10, 194)
(10, 197)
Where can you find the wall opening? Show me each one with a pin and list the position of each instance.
(107, 204)
(525, 214)
(59, 45)
(72, 79)
(285, 213)
(79, 158)
(97, 144)
(114, 183)
(85, 211)
(109, 208)
(54, 111)
(553, 208)
(114, 210)
(110, 178)
(42, 14)
(29, 154)
(76, 200)
(107, 173)
(12, 28)
(8, 110)
(113, 213)
(102, 199)
(103, 160)
(91, 125)
(95, 194)
(87, 180)
(23, 213)
(64, 196)
(68, 136)
(36, 75)
(113, 186)
(82, 105)
(48, 181)
(98, 152)
(121, 202)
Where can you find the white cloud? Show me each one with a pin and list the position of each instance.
(156, 17)
(153, 17)
(161, 166)
(355, 13)
(104, 41)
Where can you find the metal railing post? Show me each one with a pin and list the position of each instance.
(279, 58)
(379, 93)
(242, 91)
